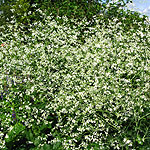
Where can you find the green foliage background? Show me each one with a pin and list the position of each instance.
(25, 12)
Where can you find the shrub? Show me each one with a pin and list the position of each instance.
(67, 95)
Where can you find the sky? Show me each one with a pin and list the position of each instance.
(142, 6)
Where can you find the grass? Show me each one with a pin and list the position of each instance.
(59, 94)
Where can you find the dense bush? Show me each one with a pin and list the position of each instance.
(57, 93)
(26, 12)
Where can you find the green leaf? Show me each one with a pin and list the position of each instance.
(29, 135)
(37, 141)
(17, 129)
(46, 147)
(57, 145)
(139, 140)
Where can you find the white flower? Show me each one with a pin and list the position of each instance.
(7, 136)
(127, 141)
(12, 10)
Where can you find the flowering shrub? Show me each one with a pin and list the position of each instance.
(71, 96)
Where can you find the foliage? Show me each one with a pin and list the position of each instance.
(71, 9)
(21, 10)
(65, 94)
(5, 7)
(26, 12)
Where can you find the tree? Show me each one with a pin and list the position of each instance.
(70, 8)
(25, 13)
(6, 13)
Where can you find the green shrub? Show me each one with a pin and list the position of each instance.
(67, 95)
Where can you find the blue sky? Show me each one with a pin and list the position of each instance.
(142, 6)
